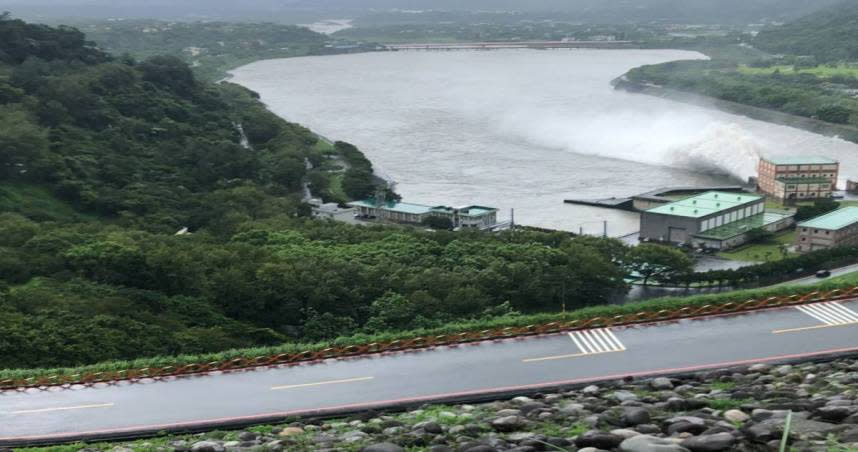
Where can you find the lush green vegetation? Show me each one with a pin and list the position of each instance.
(103, 160)
(211, 48)
(772, 249)
(828, 35)
(508, 320)
(803, 93)
(815, 78)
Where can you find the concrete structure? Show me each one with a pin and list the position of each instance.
(838, 228)
(797, 178)
(717, 220)
(330, 210)
(477, 217)
(851, 186)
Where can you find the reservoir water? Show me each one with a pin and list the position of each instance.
(524, 129)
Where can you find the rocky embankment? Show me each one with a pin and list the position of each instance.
(727, 410)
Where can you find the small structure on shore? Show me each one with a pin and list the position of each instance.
(476, 217)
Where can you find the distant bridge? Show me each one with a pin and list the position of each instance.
(541, 45)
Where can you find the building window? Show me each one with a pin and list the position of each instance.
(827, 232)
(803, 239)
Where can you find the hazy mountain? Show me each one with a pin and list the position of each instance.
(830, 34)
(689, 11)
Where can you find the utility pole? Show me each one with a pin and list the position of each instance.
(605, 229)
(512, 220)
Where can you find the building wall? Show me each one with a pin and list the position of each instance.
(655, 226)
(768, 173)
(812, 239)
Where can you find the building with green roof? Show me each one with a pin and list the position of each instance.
(797, 177)
(838, 228)
(478, 217)
(714, 219)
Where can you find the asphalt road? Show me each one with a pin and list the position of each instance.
(445, 373)
(813, 279)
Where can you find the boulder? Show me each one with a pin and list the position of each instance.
(661, 384)
(599, 440)
(291, 431)
(383, 447)
(710, 443)
(647, 443)
(508, 423)
(736, 416)
(207, 446)
(834, 413)
(633, 416)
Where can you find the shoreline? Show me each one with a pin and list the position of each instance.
(845, 133)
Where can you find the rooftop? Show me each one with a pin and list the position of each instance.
(420, 209)
(742, 226)
(476, 211)
(804, 180)
(705, 204)
(392, 206)
(833, 221)
(800, 160)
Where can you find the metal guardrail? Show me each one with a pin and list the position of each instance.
(90, 379)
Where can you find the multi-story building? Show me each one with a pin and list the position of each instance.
(838, 228)
(797, 178)
(718, 220)
(478, 217)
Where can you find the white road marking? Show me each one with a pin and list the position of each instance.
(589, 342)
(830, 313)
(320, 383)
(601, 340)
(65, 408)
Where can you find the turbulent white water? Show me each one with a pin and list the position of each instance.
(524, 129)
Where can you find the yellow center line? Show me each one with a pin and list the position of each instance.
(808, 328)
(331, 382)
(574, 355)
(65, 408)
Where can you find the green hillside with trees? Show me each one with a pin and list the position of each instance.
(828, 35)
(814, 74)
(104, 159)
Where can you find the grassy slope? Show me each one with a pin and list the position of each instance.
(756, 252)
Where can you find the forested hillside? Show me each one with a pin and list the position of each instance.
(104, 159)
(830, 35)
(210, 47)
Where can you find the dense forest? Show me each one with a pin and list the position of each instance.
(816, 78)
(828, 35)
(211, 48)
(136, 221)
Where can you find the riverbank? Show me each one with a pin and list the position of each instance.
(845, 132)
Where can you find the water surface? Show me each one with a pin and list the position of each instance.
(524, 129)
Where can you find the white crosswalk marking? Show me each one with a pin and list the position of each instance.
(601, 340)
(830, 313)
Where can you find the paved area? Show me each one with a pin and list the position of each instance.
(446, 373)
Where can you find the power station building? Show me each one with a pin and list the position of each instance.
(797, 178)
(717, 220)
